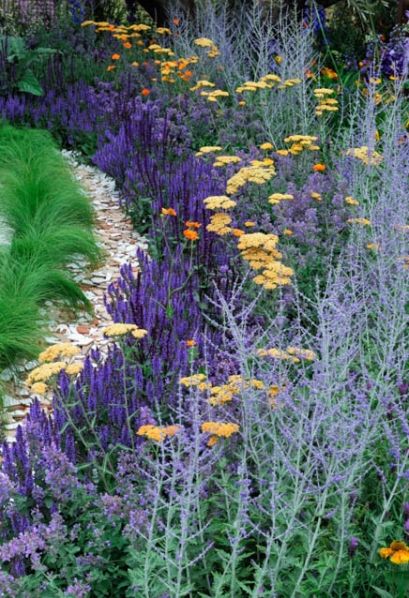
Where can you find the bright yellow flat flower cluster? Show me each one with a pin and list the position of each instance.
(325, 103)
(222, 429)
(205, 42)
(300, 143)
(351, 201)
(46, 371)
(277, 198)
(259, 249)
(213, 96)
(201, 84)
(66, 350)
(289, 83)
(122, 329)
(266, 82)
(224, 393)
(365, 155)
(73, 369)
(250, 174)
(219, 224)
(397, 552)
(39, 388)
(208, 149)
(194, 380)
(158, 433)
(372, 246)
(293, 354)
(225, 160)
(158, 49)
(219, 430)
(360, 221)
(219, 202)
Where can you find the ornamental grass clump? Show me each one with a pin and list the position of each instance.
(49, 220)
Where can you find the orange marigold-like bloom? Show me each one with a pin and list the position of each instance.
(116, 56)
(400, 557)
(145, 92)
(127, 45)
(111, 67)
(397, 552)
(191, 235)
(319, 168)
(191, 343)
(192, 224)
(168, 212)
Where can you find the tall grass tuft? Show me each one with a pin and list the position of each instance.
(49, 221)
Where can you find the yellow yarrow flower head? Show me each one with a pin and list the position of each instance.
(259, 174)
(219, 202)
(60, 350)
(360, 221)
(225, 160)
(202, 83)
(208, 149)
(204, 42)
(351, 201)
(220, 429)
(219, 224)
(158, 433)
(74, 369)
(193, 380)
(277, 198)
(121, 329)
(372, 246)
(140, 27)
(46, 371)
(39, 388)
(368, 156)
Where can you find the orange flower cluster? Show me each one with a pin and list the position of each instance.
(172, 68)
(168, 212)
(190, 231)
(397, 552)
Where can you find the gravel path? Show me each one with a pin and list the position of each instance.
(119, 242)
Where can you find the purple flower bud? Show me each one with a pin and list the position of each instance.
(403, 388)
(406, 509)
(406, 527)
(353, 545)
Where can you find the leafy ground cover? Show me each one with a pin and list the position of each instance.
(48, 221)
(246, 434)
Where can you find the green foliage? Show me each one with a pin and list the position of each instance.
(23, 61)
(50, 220)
